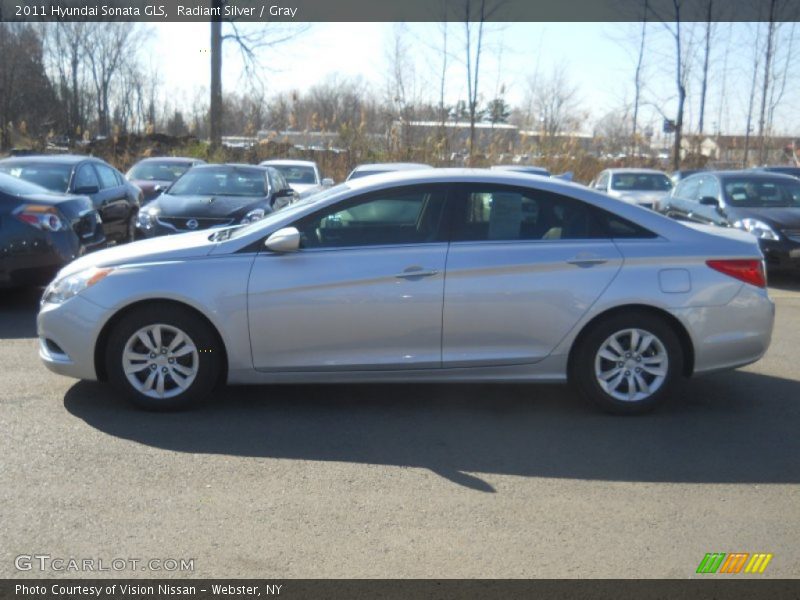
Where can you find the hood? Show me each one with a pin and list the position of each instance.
(777, 218)
(164, 248)
(303, 187)
(148, 187)
(639, 197)
(207, 206)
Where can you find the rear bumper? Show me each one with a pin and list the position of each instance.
(35, 257)
(782, 255)
(730, 336)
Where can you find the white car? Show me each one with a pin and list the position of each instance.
(645, 187)
(301, 175)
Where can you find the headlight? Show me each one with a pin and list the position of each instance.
(64, 288)
(758, 228)
(254, 215)
(146, 218)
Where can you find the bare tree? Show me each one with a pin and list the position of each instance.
(751, 100)
(682, 61)
(766, 79)
(706, 56)
(250, 41)
(556, 103)
(637, 81)
(109, 47)
(476, 14)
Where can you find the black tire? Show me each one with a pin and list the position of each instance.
(206, 362)
(585, 359)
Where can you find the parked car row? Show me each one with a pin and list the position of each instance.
(764, 202)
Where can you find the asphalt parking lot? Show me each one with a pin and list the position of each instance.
(401, 481)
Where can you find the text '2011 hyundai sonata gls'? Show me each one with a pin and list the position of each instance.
(437, 275)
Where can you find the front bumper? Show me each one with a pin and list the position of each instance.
(68, 334)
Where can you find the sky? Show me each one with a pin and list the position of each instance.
(599, 58)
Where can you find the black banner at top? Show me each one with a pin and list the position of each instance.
(399, 10)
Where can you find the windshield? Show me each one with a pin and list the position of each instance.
(18, 187)
(158, 171)
(226, 181)
(640, 182)
(280, 214)
(53, 177)
(762, 193)
(297, 174)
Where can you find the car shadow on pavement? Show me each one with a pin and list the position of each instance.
(737, 427)
(18, 308)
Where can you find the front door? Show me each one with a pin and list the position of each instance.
(364, 292)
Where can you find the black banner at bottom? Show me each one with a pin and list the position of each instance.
(444, 589)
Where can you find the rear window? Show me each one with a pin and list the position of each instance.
(19, 187)
(53, 177)
(640, 182)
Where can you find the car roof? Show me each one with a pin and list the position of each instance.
(58, 159)
(231, 166)
(392, 166)
(288, 162)
(171, 159)
(531, 169)
(751, 174)
(634, 171)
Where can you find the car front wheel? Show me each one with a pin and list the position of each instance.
(629, 363)
(163, 357)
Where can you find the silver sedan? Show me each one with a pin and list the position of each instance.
(439, 275)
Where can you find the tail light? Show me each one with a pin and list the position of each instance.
(41, 217)
(748, 270)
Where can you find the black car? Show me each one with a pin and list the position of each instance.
(214, 196)
(154, 175)
(116, 199)
(40, 232)
(765, 204)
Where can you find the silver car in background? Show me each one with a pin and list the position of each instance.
(646, 187)
(439, 275)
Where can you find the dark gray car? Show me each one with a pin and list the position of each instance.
(763, 203)
(114, 197)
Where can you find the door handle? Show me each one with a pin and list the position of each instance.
(414, 272)
(587, 260)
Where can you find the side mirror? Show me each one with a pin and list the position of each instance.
(87, 189)
(327, 182)
(284, 193)
(160, 188)
(284, 240)
(709, 201)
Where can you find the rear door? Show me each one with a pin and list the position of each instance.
(364, 292)
(523, 267)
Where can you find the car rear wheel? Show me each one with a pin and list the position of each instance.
(163, 358)
(628, 364)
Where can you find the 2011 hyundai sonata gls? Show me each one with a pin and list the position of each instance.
(439, 275)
